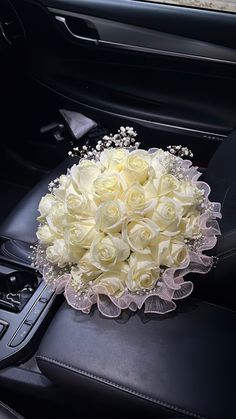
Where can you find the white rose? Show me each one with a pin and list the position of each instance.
(140, 234)
(109, 216)
(80, 233)
(136, 201)
(190, 226)
(57, 218)
(45, 234)
(65, 188)
(114, 159)
(108, 251)
(150, 190)
(143, 274)
(169, 251)
(88, 272)
(165, 184)
(84, 273)
(187, 195)
(45, 205)
(108, 187)
(167, 215)
(80, 205)
(64, 180)
(57, 253)
(84, 174)
(137, 166)
(75, 253)
(112, 282)
(160, 161)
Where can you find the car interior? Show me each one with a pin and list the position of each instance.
(169, 71)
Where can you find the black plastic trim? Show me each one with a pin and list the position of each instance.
(114, 34)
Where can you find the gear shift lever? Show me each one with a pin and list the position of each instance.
(16, 287)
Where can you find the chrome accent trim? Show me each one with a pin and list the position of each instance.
(2, 31)
(174, 128)
(163, 52)
(60, 17)
(83, 38)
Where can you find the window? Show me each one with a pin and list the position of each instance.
(221, 5)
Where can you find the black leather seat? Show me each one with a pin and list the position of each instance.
(21, 224)
(155, 367)
(180, 364)
(7, 413)
(220, 286)
(18, 231)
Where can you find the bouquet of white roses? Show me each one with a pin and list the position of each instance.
(124, 226)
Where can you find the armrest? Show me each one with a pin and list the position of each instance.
(183, 364)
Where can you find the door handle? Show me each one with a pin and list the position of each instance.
(63, 23)
(3, 33)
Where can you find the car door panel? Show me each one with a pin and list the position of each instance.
(204, 25)
(106, 32)
(168, 68)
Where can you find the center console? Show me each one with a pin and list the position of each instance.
(25, 304)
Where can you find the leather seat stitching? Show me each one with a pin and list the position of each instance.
(10, 410)
(227, 255)
(118, 386)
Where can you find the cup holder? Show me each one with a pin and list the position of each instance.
(16, 288)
